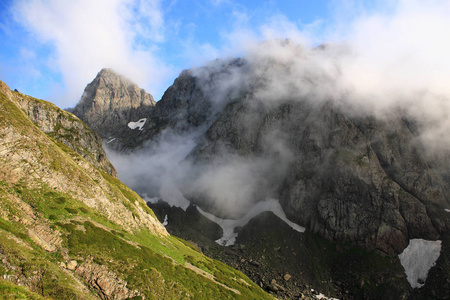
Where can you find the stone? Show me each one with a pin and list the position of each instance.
(71, 265)
(286, 277)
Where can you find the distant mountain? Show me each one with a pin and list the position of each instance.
(69, 229)
(110, 102)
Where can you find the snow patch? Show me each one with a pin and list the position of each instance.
(418, 258)
(228, 226)
(139, 124)
(322, 296)
(447, 210)
(111, 140)
(166, 221)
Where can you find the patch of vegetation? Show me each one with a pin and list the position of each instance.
(348, 157)
(83, 209)
(33, 262)
(70, 210)
(51, 204)
(9, 290)
(154, 262)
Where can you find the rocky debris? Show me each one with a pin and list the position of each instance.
(275, 287)
(286, 277)
(105, 282)
(335, 270)
(110, 102)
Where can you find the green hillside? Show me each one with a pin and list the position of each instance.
(69, 230)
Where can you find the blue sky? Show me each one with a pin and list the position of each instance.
(52, 48)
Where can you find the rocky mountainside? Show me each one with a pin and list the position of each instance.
(64, 128)
(347, 178)
(189, 104)
(237, 132)
(71, 230)
(110, 102)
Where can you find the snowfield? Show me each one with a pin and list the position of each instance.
(418, 258)
(228, 226)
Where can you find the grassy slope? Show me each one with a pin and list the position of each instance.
(153, 265)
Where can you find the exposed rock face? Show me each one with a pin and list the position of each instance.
(347, 179)
(105, 282)
(63, 127)
(191, 102)
(110, 102)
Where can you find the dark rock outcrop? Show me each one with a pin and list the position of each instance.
(355, 179)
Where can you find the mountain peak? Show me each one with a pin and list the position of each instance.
(110, 73)
(111, 101)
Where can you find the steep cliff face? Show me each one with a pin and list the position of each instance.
(110, 102)
(353, 179)
(69, 230)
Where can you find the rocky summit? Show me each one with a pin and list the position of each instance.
(110, 102)
(237, 132)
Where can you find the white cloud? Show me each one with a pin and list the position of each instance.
(280, 27)
(406, 49)
(89, 35)
(384, 53)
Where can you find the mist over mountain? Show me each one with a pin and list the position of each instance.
(350, 163)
